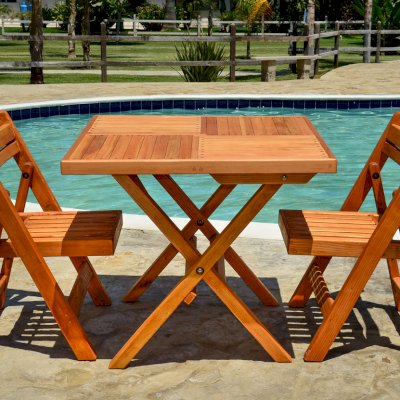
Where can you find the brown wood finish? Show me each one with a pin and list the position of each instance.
(269, 151)
(170, 251)
(202, 265)
(349, 233)
(71, 234)
(211, 145)
(211, 233)
(32, 236)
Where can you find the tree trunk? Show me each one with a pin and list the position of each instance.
(248, 43)
(170, 13)
(367, 26)
(86, 30)
(311, 16)
(71, 29)
(310, 26)
(36, 41)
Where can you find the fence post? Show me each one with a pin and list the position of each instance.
(263, 25)
(268, 70)
(232, 53)
(134, 25)
(337, 42)
(317, 30)
(198, 25)
(103, 51)
(378, 42)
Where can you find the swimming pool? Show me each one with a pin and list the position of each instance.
(351, 134)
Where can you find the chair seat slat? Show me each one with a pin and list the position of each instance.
(340, 235)
(73, 237)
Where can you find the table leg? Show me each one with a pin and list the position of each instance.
(201, 264)
(170, 251)
(246, 317)
(186, 204)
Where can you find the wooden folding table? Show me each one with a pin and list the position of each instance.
(269, 151)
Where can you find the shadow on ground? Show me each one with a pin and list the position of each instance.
(204, 330)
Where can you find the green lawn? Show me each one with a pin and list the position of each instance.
(158, 51)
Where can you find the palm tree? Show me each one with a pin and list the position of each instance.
(170, 13)
(86, 29)
(251, 11)
(36, 41)
(71, 28)
(368, 25)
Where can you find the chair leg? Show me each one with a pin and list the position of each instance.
(395, 280)
(355, 282)
(95, 288)
(4, 278)
(60, 308)
(304, 289)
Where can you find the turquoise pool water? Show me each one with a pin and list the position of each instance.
(351, 134)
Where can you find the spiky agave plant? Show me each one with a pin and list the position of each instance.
(201, 51)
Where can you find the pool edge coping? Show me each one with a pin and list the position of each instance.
(113, 99)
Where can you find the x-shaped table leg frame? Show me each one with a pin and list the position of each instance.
(201, 268)
(199, 221)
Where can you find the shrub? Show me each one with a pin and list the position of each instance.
(201, 51)
(4, 10)
(48, 14)
(151, 11)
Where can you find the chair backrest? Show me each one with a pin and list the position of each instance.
(388, 147)
(13, 146)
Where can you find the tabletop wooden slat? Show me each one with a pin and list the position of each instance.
(133, 148)
(144, 125)
(122, 144)
(269, 125)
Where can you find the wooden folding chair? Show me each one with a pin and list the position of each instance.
(35, 235)
(348, 233)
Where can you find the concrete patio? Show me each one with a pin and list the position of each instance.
(211, 356)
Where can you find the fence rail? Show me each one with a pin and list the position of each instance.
(195, 23)
(311, 50)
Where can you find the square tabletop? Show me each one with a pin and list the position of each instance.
(128, 144)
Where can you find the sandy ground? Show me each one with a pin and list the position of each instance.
(202, 352)
(356, 79)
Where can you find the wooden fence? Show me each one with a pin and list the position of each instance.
(307, 61)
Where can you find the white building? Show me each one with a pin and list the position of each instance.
(20, 5)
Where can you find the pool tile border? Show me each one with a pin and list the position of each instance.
(162, 103)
